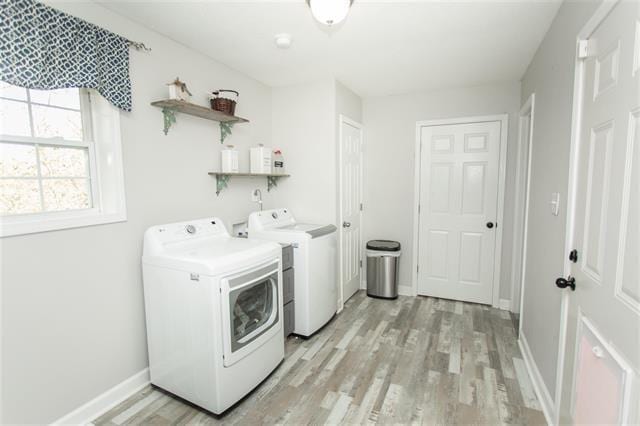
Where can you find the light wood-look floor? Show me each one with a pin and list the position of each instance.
(412, 360)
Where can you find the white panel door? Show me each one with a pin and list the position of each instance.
(458, 209)
(603, 333)
(350, 205)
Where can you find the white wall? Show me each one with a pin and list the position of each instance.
(302, 126)
(305, 127)
(390, 127)
(72, 303)
(550, 77)
(348, 103)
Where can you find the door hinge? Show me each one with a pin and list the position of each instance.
(584, 49)
(361, 208)
(417, 269)
(361, 263)
(419, 208)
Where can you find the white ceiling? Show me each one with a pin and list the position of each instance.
(383, 47)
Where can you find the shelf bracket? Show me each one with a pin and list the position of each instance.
(225, 130)
(221, 183)
(169, 115)
(272, 182)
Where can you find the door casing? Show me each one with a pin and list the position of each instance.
(346, 120)
(504, 130)
(521, 210)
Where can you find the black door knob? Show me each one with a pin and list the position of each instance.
(569, 282)
(489, 225)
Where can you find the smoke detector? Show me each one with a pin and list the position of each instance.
(283, 40)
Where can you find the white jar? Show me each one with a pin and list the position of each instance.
(278, 163)
(229, 160)
(260, 159)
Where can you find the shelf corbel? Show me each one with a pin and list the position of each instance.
(272, 182)
(169, 115)
(221, 182)
(225, 130)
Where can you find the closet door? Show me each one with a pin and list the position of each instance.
(460, 169)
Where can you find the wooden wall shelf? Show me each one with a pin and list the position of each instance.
(171, 106)
(222, 179)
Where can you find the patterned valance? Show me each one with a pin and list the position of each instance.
(43, 48)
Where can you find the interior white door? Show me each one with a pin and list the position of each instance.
(458, 210)
(602, 353)
(350, 207)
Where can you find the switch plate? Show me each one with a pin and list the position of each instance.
(555, 203)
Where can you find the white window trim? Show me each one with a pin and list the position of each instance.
(107, 180)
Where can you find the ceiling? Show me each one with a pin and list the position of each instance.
(382, 48)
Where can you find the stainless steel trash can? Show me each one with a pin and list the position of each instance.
(382, 268)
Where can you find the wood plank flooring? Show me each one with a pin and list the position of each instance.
(407, 361)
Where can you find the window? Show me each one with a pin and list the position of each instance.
(52, 175)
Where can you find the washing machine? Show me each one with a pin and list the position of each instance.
(213, 310)
(314, 264)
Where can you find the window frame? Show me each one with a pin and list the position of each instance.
(102, 139)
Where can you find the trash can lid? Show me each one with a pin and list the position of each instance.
(383, 245)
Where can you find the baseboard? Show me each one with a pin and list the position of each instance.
(405, 290)
(544, 397)
(106, 401)
(505, 304)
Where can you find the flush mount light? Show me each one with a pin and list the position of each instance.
(283, 41)
(329, 12)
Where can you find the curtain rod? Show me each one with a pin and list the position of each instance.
(139, 46)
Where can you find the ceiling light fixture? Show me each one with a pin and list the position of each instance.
(329, 12)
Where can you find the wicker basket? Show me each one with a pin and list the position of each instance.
(226, 105)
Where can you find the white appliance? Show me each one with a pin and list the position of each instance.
(314, 264)
(214, 311)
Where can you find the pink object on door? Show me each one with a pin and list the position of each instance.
(599, 384)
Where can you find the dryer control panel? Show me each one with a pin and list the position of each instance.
(157, 238)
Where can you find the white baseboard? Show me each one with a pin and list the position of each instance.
(505, 304)
(542, 392)
(405, 290)
(106, 401)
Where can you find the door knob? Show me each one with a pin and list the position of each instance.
(490, 225)
(569, 282)
(346, 224)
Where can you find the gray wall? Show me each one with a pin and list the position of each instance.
(303, 128)
(550, 76)
(348, 103)
(72, 307)
(390, 138)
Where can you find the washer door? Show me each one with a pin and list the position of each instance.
(251, 311)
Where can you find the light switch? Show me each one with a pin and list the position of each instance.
(555, 203)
